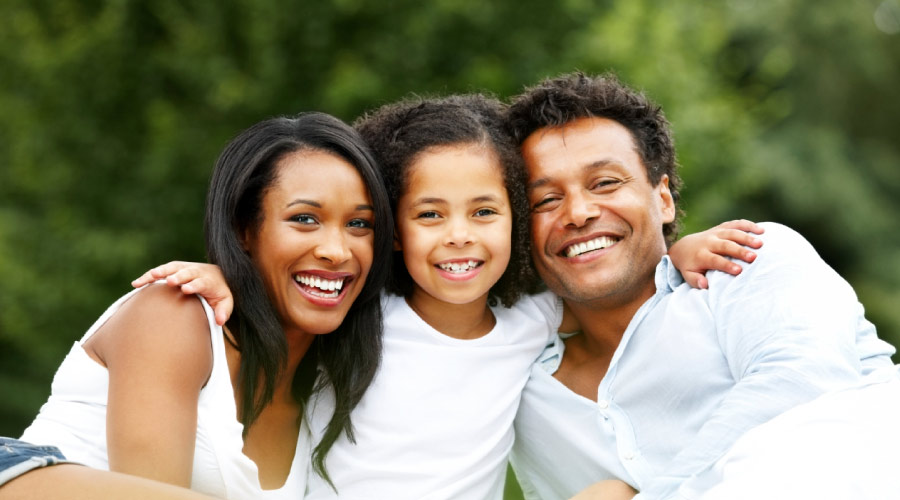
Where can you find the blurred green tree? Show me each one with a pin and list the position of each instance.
(112, 113)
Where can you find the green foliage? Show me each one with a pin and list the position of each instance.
(112, 114)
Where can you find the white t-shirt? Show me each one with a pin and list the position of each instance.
(436, 423)
(74, 420)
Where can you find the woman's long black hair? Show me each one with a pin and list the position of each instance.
(350, 355)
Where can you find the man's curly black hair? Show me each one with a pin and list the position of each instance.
(557, 101)
(398, 133)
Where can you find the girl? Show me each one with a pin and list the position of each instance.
(221, 411)
(460, 337)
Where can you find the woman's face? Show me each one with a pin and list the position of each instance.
(313, 246)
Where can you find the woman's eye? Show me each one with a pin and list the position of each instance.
(361, 223)
(485, 212)
(304, 219)
(428, 215)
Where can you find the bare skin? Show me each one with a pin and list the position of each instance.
(76, 482)
(611, 489)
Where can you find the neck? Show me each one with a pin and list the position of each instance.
(461, 321)
(298, 344)
(604, 321)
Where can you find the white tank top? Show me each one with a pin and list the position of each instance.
(74, 420)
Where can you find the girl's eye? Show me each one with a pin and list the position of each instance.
(304, 219)
(485, 212)
(428, 215)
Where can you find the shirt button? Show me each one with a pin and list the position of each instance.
(628, 455)
(603, 404)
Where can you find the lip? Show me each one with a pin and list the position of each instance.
(460, 276)
(587, 256)
(311, 294)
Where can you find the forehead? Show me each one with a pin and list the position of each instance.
(470, 165)
(314, 173)
(577, 145)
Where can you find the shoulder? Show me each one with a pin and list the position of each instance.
(779, 239)
(785, 254)
(159, 325)
(545, 307)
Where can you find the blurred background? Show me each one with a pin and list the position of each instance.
(113, 112)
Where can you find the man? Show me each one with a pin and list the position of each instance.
(663, 379)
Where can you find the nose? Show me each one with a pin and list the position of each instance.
(333, 247)
(459, 233)
(579, 210)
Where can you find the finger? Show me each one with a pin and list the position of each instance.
(694, 279)
(223, 310)
(182, 276)
(143, 280)
(168, 269)
(743, 225)
(717, 262)
(740, 237)
(726, 248)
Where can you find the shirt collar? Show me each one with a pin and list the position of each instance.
(667, 277)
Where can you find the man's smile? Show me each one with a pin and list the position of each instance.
(591, 245)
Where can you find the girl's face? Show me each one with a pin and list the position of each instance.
(454, 223)
(313, 246)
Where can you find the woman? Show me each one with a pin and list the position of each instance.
(291, 220)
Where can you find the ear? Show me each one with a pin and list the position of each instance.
(246, 237)
(397, 246)
(666, 203)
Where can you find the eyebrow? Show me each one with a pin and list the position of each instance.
(316, 204)
(438, 201)
(590, 166)
(305, 202)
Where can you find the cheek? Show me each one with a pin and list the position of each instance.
(365, 254)
(539, 230)
(504, 245)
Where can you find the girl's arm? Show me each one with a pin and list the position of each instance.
(198, 278)
(693, 255)
(711, 250)
(697, 253)
(157, 364)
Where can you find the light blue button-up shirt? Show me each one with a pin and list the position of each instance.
(696, 369)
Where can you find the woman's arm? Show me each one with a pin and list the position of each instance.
(610, 489)
(158, 353)
(77, 482)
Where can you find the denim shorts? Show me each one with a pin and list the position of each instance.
(18, 457)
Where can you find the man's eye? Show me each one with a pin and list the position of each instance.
(545, 204)
(605, 184)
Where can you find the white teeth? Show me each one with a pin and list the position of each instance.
(332, 286)
(587, 246)
(458, 267)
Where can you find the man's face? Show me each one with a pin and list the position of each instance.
(596, 220)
